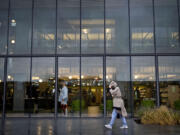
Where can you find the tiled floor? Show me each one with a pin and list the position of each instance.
(76, 126)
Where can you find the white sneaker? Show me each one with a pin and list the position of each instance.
(108, 126)
(124, 126)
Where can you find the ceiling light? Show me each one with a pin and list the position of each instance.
(40, 80)
(136, 76)
(13, 21)
(108, 30)
(85, 31)
(9, 77)
(13, 41)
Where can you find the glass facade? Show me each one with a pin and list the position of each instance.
(77, 47)
(143, 78)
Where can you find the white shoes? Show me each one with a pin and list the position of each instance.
(124, 126)
(108, 126)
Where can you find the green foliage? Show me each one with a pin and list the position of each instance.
(148, 103)
(76, 105)
(109, 105)
(177, 105)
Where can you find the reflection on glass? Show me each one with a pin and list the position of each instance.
(118, 70)
(92, 86)
(68, 71)
(18, 86)
(43, 80)
(3, 25)
(20, 25)
(143, 77)
(44, 27)
(92, 26)
(141, 13)
(117, 26)
(68, 26)
(166, 22)
(169, 77)
(1, 83)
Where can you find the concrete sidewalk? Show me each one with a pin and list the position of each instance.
(83, 126)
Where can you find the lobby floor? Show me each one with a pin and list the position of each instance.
(76, 126)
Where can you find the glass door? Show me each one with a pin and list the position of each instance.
(68, 96)
(92, 86)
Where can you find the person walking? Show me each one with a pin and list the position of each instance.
(118, 106)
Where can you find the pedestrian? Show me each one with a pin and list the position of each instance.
(63, 97)
(118, 106)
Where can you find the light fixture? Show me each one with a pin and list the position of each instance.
(108, 30)
(85, 31)
(13, 21)
(35, 78)
(9, 77)
(40, 80)
(13, 41)
(82, 76)
(70, 77)
(136, 76)
(107, 76)
(0, 81)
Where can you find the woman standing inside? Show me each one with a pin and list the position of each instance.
(118, 106)
(63, 97)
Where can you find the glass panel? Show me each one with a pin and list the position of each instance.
(117, 26)
(142, 36)
(169, 77)
(166, 22)
(118, 69)
(44, 26)
(3, 25)
(43, 81)
(18, 87)
(68, 26)
(1, 83)
(92, 26)
(69, 77)
(20, 25)
(143, 77)
(92, 86)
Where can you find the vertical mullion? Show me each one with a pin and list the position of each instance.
(104, 61)
(4, 89)
(32, 30)
(56, 87)
(156, 58)
(56, 66)
(5, 66)
(80, 113)
(130, 57)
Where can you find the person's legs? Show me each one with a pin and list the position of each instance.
(113, 117)
(124, 121)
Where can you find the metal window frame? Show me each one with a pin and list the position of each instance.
(80, 55)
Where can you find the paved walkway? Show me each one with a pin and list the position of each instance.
(76, 126)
